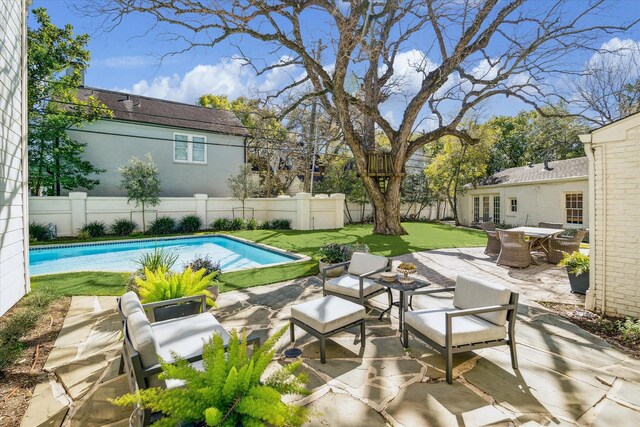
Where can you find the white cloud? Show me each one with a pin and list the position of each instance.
(618, 54)
(409, 69)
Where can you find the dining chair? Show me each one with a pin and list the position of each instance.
(493, 243)
(515, 250)
(558, 246)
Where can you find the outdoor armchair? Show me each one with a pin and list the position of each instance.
(359, 282)
(478, 319)
(558, 246)
(515, 251)
(493, 242)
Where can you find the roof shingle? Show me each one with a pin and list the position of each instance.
(559, 169)
(143, 109)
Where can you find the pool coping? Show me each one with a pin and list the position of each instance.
(297, 257)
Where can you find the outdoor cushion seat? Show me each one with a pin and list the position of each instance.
(466, 329)
(350, 285)
(328, 313)
(130, 303)
(186, 336)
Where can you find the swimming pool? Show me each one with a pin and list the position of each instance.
(121, 256)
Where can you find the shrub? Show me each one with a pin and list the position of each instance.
(236, 224)
(190, 224)
(83, 235)
(40, 232)
(159, 285)
(159, 258)
(333, 253)
(229, 390)
(123, 227)
(266, 225)
(17, 326)
(251, 224)
(211, 267)
(577, 262)
(281, 224)
(221, 224)
(95, 229)
(629, 330)
(162, 225)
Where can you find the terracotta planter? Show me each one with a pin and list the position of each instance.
(335, 272)
(579, 284)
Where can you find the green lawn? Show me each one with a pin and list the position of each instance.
(422, 236)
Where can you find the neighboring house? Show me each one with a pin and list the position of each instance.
(14, 234)
(195, 148)
(614, 187)
(529, 194)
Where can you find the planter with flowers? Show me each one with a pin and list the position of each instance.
(577, 265)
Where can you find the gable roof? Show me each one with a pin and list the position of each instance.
(560, 169)
(143, 109)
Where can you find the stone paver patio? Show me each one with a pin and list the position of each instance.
(566, 377)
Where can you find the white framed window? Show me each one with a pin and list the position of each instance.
(573, 208)
(513, 205)
(496, 209)
(476, 209)
(189, 148)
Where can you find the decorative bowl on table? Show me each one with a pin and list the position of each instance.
(406, 268)
(388, 276)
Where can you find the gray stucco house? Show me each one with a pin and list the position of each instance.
(195, 148)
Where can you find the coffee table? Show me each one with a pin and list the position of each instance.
(402, 288)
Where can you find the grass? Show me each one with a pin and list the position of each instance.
(421, 237)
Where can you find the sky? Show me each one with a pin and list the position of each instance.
(129, 59)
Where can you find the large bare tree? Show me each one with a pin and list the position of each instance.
(468, 51)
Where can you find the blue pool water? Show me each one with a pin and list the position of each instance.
(121, 256)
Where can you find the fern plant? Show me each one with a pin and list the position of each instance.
(159, 285)
(229, 392)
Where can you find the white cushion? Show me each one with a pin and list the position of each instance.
(350, 285)
(328, 313)
(474, 293)
(362, 263)
(466, 329)
(185, 336)
(130, 303)
(142, 338)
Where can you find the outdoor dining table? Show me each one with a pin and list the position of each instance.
(539, 237)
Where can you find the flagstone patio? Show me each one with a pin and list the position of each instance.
(566, 377)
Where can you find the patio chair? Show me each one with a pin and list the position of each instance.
(359, 283)
(476, 320)
(515, 251)
(493, 243)
(556, 225)
(558, 246)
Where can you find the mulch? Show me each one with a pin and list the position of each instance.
(18, 382)
(597, 324)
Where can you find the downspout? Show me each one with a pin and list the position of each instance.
(25, 141)
(590, 299)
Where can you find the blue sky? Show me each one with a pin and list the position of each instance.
(127, 59)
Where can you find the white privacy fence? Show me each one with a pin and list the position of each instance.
(70, 213)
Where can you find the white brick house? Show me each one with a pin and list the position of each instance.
(614, 187)
(14, 237)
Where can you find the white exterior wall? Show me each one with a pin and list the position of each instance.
(14, 281)
(538, 201)
(70, 213)
(615, 231)
(107, 149)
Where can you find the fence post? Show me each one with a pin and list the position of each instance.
(78, 202)
(201, 207)
(339, 209)
(303, 211)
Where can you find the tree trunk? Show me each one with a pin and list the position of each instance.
(386, 208)
(144, 229)
(346, 207)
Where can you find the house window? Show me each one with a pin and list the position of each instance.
(476, 209)
(513, 205)
(485, 208)
(189, 148)
(496, 209)
(573, 206)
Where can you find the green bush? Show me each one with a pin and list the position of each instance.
(281, 224)
(333, 253)
(123, 227)
(14, 328)
(159, 258)
(266, 225)
(83, 235)
(229, 391)
(162, 225)
(206, 263)
(577, 262)
(236, 224)
(629, 330)
(221, 224)
(95, 229)
(161, 285)
(251, 224)
(190, 224)
(40, 232)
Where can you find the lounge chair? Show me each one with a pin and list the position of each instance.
(358, 284)
(515, 251)
(493, 243)
(476, 320)
(558, 246)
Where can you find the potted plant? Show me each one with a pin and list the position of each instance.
(161, 285)
(333, 253)
(577, 265)
(211, 268)
(229, 390)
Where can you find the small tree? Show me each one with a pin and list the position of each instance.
(416, 191)
(244, 185)
(141, 182)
